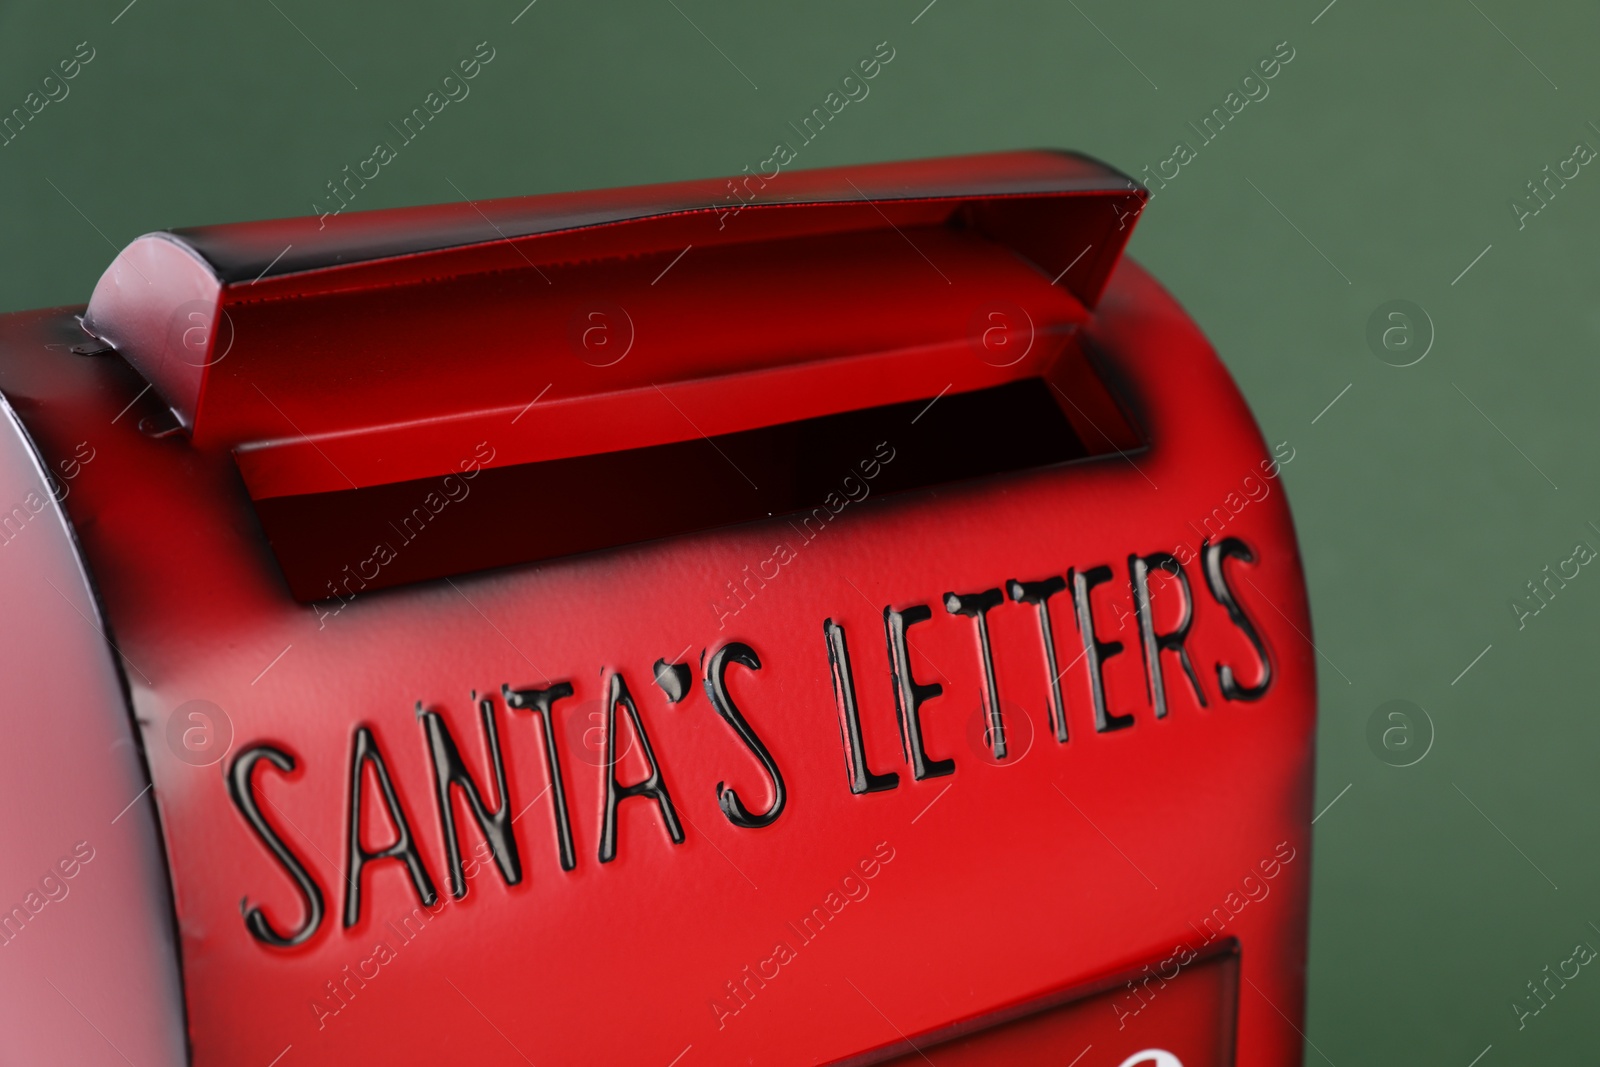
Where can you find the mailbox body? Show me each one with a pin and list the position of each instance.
(906, 891)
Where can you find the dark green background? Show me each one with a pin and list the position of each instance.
(1394, 140)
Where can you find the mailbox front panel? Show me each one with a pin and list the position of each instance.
(737, 795)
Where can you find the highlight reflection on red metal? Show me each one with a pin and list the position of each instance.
(867, 624)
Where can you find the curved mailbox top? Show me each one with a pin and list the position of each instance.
(255, 333)
(249, 251)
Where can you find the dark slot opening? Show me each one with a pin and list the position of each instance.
(328, 543)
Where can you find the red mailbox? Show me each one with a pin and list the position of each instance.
(841, 617)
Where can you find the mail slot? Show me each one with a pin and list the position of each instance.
(843, 617)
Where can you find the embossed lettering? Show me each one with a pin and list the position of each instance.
(910, 694)
(365, 751)
(1152, 643)
(1096, 651)
(540, 702)
(862, 778)
(242, 788)
(1215, 556)
(449, 771)
(1039, 594)
(650, 786)
(716, 683)
(976, 606)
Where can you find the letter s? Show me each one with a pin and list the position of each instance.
(1217, 581)
(241, 787)
(717, 689)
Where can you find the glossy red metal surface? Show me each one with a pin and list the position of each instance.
(706, 922)
(1183, 1013)
(86, 929)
